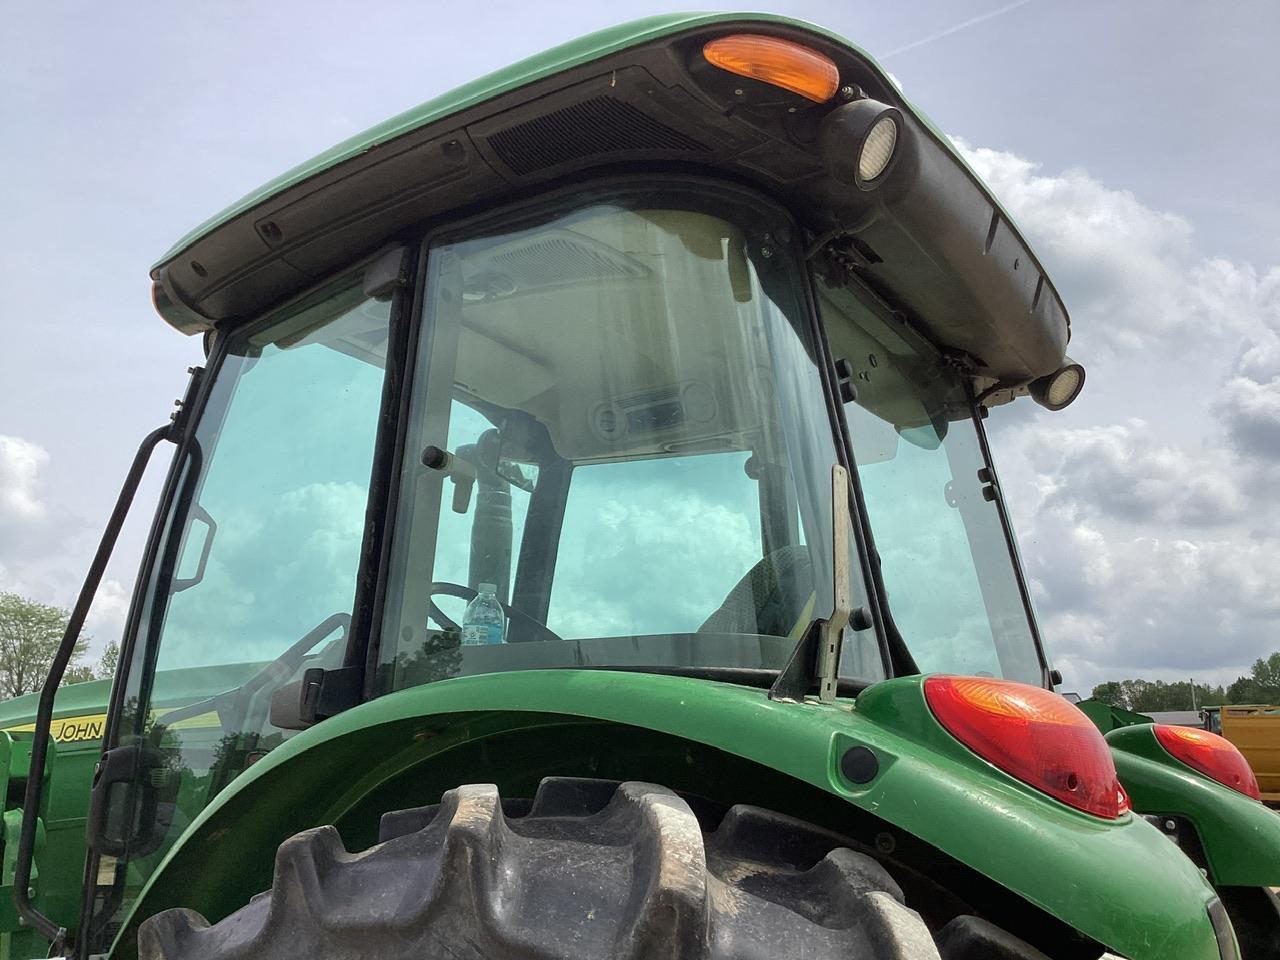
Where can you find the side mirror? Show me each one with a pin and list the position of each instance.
(320, 694)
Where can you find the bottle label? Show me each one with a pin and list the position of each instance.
(480, 634)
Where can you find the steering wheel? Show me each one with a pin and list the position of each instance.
(540, 631)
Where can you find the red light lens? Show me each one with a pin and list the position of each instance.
(1214, 756)
(1032, 734)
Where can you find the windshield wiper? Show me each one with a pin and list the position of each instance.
(816, 658)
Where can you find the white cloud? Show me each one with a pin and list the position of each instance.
(20, 463)
(1251, 411)
(1152, 543)
(1124, 472)
(692, 545)
(1249, 402)
(1132, 276)
(105, 621)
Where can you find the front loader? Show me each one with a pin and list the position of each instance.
(680, 340)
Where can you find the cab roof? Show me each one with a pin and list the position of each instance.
(942, 249)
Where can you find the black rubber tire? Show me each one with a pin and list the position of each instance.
(588, 869)
(1255, 916)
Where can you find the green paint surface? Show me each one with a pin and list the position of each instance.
(1107, 718)
(1094, 875)
(1241, 837)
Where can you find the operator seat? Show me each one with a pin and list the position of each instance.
(771, 599)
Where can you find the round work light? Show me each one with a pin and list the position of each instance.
(1059, 388)
(877, 149)
(860, 142)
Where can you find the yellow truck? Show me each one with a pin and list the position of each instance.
(1255, 730)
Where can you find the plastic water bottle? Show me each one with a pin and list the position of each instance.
(484, 623)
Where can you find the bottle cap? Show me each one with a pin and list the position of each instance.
(488, 588)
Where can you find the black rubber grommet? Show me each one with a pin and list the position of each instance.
(859, 765)
(434, 457)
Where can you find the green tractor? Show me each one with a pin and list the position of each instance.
(672, 346)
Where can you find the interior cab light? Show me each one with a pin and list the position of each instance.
(1034, 735)
(1214, 756)
(780, 62)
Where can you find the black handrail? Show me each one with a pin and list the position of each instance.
(31, 914)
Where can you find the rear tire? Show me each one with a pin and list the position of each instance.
(1255, 915)
(588, 869)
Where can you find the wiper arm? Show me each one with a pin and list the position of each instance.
(816, 658)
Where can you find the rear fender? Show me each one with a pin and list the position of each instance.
(924, 783)
(1240, 836)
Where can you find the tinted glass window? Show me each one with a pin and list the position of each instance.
(948, 570)
(617, 421)
(256, 573)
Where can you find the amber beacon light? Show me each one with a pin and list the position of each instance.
(779, 62)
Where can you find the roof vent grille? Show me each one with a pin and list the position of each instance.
(600, 125)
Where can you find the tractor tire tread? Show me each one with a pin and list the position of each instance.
(587, 869)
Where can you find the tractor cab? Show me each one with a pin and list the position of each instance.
(622, 418)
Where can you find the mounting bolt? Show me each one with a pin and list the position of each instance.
(885, 842)
(848, 92)
(1170, 826)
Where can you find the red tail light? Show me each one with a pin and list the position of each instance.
(1034, 735)
(1214, 756)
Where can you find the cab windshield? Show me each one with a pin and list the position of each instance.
(618, 423)
(949, 571)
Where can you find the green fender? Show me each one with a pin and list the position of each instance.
(1240, 836)
(1094, 875)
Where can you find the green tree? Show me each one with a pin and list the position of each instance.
(75, 673)
(105, 670)
(1266, 674)
(29, 636)
(1207, 696)
(1137, 694)
(1147, 695)
(107, 663)
(1110, 693)
(1244, 690)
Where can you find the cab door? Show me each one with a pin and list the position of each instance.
(252, 580)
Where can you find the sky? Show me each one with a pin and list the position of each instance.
(1136, 144)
